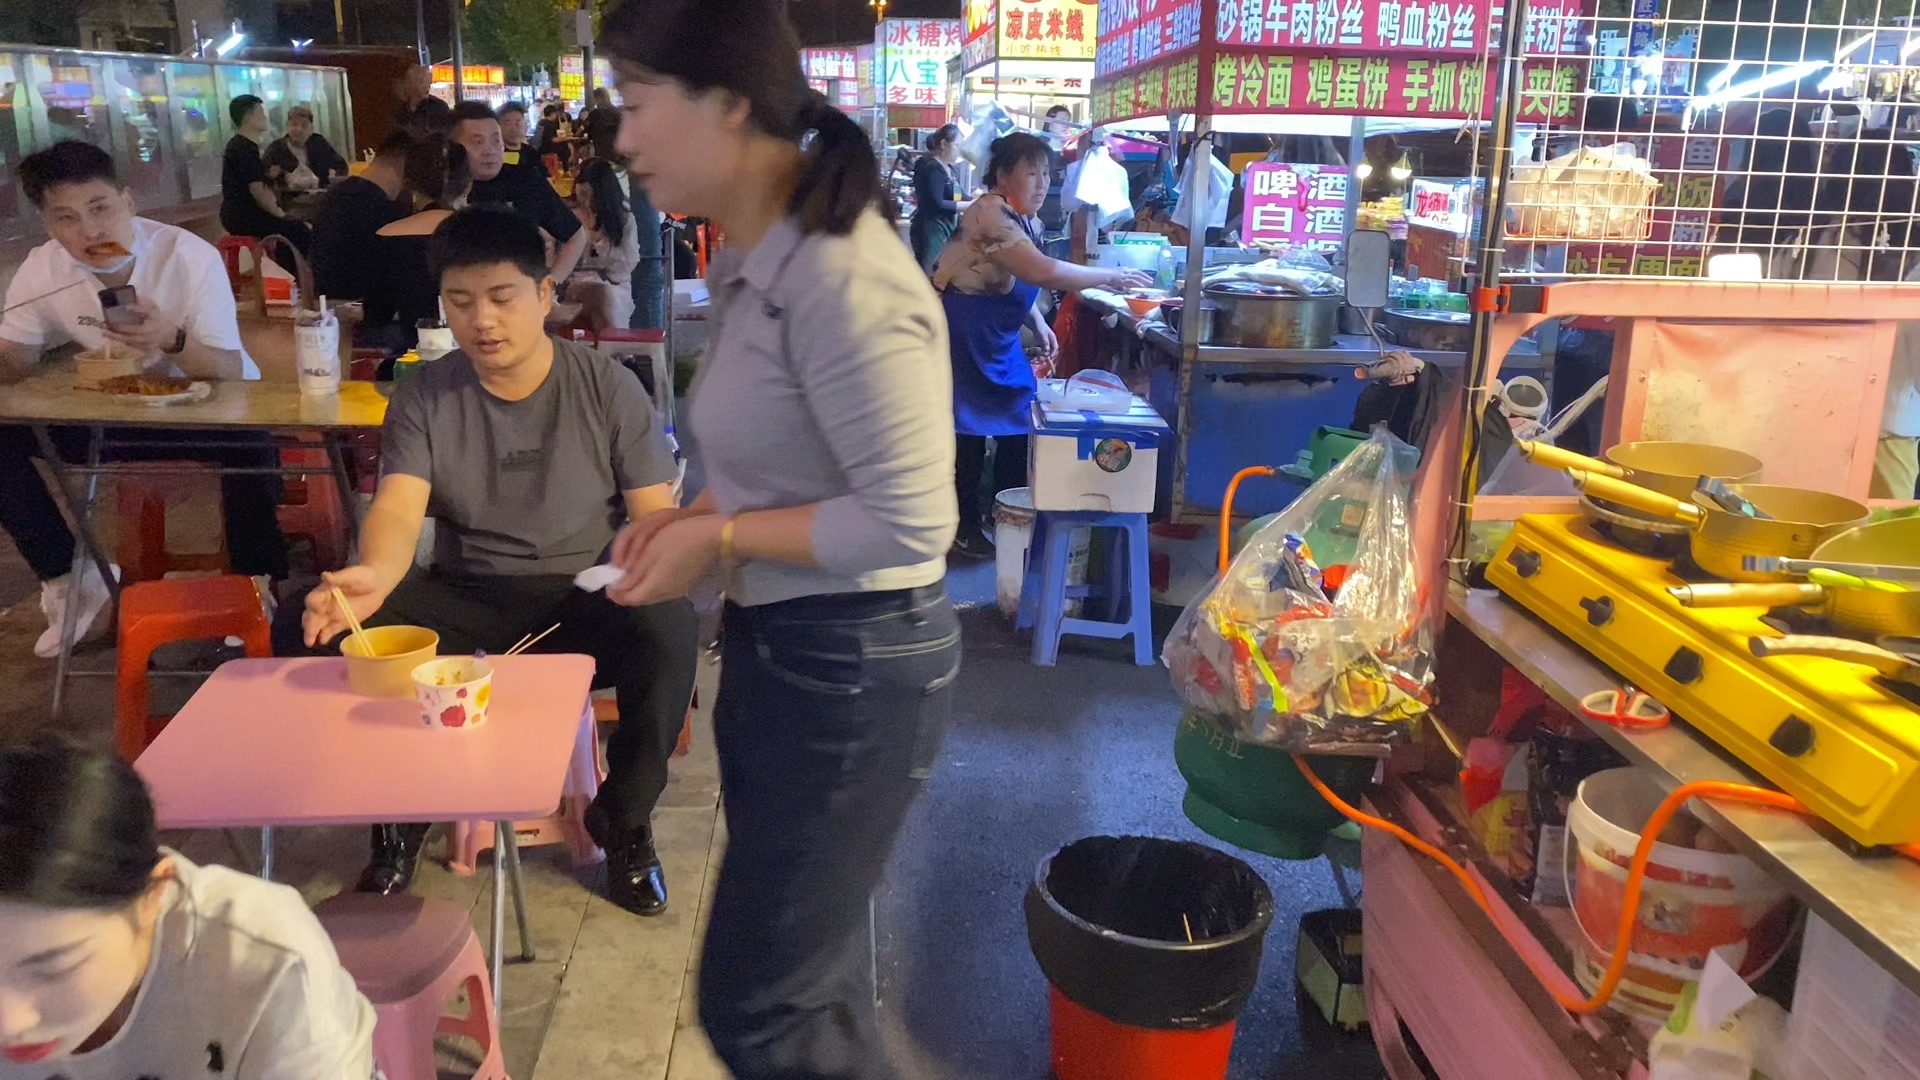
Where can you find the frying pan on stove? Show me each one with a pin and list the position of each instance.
(1670, 468)
(1897, 658)
(1720, 539)
(1866, 613)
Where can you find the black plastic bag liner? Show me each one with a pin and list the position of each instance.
(1159, 934)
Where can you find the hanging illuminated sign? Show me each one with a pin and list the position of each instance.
(1048, 29)
(912, 56)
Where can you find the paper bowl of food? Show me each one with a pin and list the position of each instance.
(453, 691)
(1142, 302)
(93, 367)
(396, 651)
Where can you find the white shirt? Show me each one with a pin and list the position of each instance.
(174, 270)
(243, 985)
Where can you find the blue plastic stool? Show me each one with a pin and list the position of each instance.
(1044, 590)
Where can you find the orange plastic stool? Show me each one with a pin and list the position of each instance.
(409, 955)
(230, 248)
(141, 547)
(311, 507)
(155, 613)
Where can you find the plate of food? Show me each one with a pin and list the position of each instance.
(155, 389)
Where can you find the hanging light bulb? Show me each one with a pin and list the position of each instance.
(1403, 169)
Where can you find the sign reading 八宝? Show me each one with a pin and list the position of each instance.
(912, 56)
(1302, 205)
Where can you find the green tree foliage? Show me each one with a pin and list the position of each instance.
(516, 34)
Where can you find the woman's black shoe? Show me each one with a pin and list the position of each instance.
(396, 855)
(635, 880)
(972, 545)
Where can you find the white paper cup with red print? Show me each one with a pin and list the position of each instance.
(453, 691)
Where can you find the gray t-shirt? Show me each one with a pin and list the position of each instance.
(530, 486)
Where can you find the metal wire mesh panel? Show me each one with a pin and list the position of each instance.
(1724, 138)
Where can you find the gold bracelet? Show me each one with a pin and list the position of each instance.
(726, 551)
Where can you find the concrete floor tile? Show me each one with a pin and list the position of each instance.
(616, 1013)
(694, 780)
(693, 1056)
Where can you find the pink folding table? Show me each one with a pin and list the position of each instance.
(266, 743)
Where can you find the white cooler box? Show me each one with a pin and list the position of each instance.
(1087, 453)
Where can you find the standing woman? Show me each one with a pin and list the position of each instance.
(828, 511)
(990, 277)
(936, 198)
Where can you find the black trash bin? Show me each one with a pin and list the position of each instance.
(1151, 947)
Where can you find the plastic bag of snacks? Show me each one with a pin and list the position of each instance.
(1315, 638)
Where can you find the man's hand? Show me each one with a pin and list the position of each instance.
(152, 334)
(364, 590)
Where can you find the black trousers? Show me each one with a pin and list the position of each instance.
(32, 518)
(828, 721)
(970, 467)
(647, 654)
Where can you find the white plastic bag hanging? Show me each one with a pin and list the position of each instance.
(1098, 181)
(1219, 193)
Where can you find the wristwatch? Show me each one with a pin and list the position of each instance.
(179, 343)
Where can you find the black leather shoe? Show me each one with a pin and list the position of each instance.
(396, 855)
(635, 880)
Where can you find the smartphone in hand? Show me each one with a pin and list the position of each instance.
(116, 306)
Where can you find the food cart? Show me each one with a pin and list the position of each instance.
(1338, 71)
(1552, 613)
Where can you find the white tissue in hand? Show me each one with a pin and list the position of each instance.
(595, 578)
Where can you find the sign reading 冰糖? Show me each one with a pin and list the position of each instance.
(911, 55)
(1302, 205)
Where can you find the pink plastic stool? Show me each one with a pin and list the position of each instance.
(409, 955)
(566, 825)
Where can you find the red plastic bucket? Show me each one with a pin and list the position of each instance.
(1088, 1046)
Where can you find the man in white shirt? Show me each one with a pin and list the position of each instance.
(183, 319)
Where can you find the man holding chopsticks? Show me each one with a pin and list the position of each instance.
(529, 452)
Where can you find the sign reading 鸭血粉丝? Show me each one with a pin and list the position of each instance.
(1301, 205)
(1409, 58)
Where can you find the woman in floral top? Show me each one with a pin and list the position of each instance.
(990, 276)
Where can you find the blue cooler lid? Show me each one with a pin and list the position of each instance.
(1139, 425)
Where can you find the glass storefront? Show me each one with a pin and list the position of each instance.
(163, 119)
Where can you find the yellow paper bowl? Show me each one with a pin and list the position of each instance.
(397, 651)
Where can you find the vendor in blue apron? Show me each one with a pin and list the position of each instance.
(990, 275)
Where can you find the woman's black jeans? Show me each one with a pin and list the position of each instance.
(828, 720)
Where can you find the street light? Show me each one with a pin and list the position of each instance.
(879, 8)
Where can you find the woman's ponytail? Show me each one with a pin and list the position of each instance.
(840, 179)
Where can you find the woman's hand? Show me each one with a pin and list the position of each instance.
(322, 621)
(666, 563)
(627, 545)
(1049, 353)
(1127, 278)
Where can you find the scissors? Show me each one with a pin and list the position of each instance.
(1625, 708)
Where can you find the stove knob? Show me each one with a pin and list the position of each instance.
(1600, 611)
(1527, 563)
(1794, 737)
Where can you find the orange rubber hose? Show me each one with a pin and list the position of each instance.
(1226, 509)
(1636, 870)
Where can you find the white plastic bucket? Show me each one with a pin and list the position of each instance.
(1691, 901)
(1012, 533)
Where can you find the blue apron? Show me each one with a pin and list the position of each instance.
(993, 385)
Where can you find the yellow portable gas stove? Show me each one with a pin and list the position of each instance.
(1830, 733)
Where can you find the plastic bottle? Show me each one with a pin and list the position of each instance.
(407, 366)
(1163, 272)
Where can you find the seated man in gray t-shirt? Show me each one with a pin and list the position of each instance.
(529, 453)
